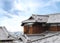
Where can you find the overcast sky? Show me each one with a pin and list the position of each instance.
(13, 12)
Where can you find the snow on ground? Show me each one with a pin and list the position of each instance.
(55, 38)
(46, 37)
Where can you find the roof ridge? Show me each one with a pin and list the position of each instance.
(46, 14)
(54, 14)
(39, 15)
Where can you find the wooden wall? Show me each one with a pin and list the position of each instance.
(34, 29)
(54, 27)
(39, 28)
(30, 29)
(58, 28)
(26, 30)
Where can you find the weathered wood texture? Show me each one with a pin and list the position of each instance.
(25, 29)
(53, 28)
(28, 29)
(34, 29)
(39, 28)
(58, 28)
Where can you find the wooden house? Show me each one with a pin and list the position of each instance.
(54, 22)
(4, 36)
(35, 24)
(39, 23)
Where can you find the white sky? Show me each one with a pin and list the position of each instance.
(13, 12)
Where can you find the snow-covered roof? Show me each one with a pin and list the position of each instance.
(29, 21)
(4, 34)
(37, 18)
(49, 18)
(46, 37)
(54, 18)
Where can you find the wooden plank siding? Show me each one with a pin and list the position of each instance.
(58, 28)
(28, 29)
(25, 29)
(53, 28)
(37, 29)
(34, 29)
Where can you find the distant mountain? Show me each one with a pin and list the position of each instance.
(18, 33)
